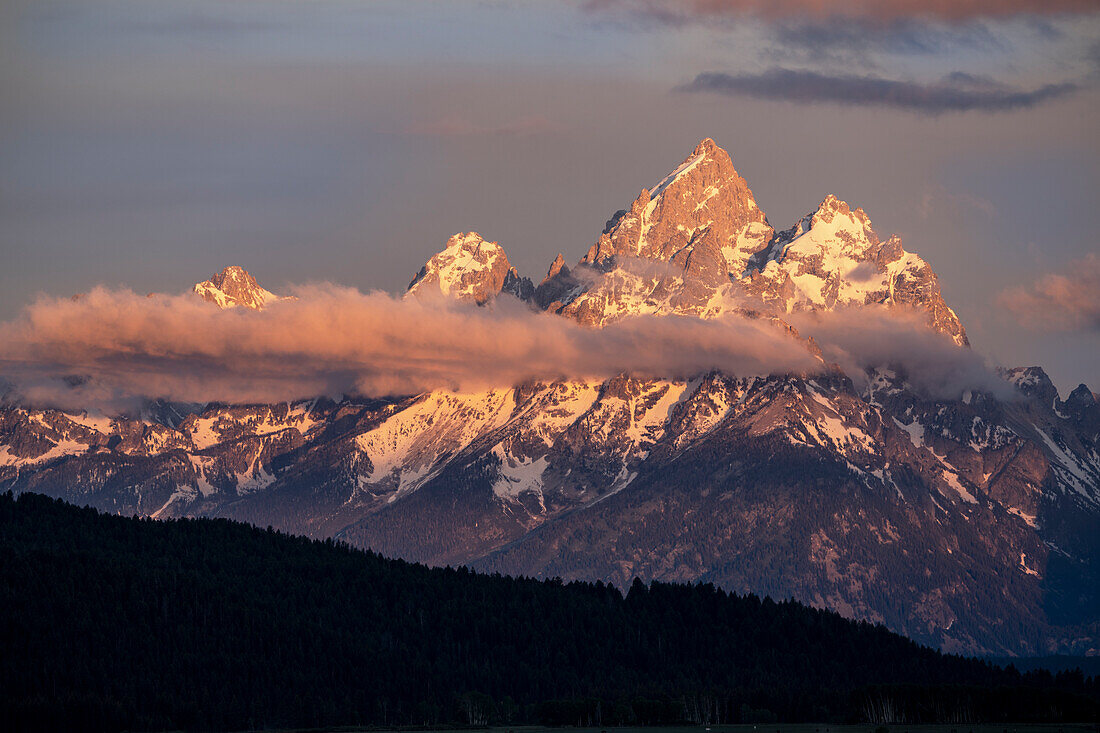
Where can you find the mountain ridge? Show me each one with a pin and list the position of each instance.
(698, 244)
(964, 520)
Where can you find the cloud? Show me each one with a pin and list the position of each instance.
(1069, 302)
(954, 93)
(1093, 58)
(113, 349)
(858, 339)
(836, 39)
(121, 346)
(682, 11)
(936, 199)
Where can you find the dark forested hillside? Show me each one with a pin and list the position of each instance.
(116, 623)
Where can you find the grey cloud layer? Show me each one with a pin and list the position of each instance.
(955, 93)
(825, 39)
(686, 10)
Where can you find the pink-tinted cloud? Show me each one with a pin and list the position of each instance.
(878, 10)
(1067, 302)
(336, 340)
(112, 348)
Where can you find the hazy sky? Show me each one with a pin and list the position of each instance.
(149, 144)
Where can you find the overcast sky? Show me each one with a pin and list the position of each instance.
(149, 144)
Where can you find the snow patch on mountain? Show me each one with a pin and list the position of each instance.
(410, 443)
(1085, 480)
(556, 408)
(517, 476)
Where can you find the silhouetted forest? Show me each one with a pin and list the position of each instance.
(113, 623)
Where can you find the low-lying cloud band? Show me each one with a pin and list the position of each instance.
(334, 340)
(113, 348)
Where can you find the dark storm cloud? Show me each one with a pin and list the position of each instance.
(957, 92)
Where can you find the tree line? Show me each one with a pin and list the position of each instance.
(118, 623)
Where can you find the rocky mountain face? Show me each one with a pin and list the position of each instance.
(832, 257)
(234, 287)
(469, 268)
(698, 244)
(675, 250)
(967, 522)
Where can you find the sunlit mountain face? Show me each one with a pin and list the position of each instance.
(704, 395)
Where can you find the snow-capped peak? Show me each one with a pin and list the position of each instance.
(833, 257)
(832, 230)
(233, 287)
(468, 268)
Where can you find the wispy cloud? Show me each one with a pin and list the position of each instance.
(1067, 302)
(681, 11)
(832, 38)
(955, 93)
(861, 338)
(936, 199)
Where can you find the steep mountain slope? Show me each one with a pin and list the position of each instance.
(968, 521)
(967, 524)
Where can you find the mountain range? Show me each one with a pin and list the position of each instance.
(965, 520)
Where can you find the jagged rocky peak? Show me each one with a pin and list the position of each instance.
(1083, 407)
(1033, 382)
(1081, 395)
(558, 282)
(556, 267)
(703, 203)
(233, 287)
(698, 244)
(671, 251)
(833, 257)
(470, 268)
(832, 240)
